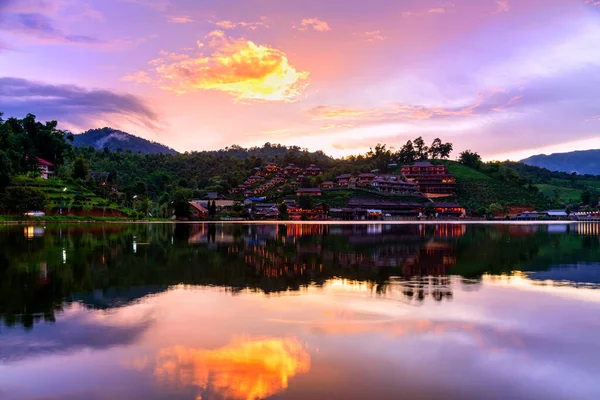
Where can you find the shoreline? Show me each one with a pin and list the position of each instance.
(272, 222)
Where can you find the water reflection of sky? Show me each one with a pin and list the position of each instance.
(502, 338)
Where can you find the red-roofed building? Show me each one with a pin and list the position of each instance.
(432, 180)
(46, 167)
(308, 192)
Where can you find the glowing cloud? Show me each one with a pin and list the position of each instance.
(242, 370)
(399, 111)
(315, 24)
(226, 24)
(373, 36)
(137, 77)
(242, 68)
(181, 20)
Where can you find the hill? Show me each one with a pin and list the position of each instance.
(582, 162)
(114, 139)
(475, 189)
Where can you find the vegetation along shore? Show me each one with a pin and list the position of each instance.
(51, 175)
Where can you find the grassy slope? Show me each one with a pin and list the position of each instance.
(75, 196)
(475, 189)
(565, 194)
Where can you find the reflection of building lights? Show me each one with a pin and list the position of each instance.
(33, 231)
(64, 256)
(244, 369)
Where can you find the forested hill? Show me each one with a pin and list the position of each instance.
(114, 139)
(582, 162)
(270, 152)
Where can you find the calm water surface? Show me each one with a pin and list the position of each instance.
(300, 312)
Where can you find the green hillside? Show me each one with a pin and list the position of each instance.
(562, 194)
(74, 199)
(475, 189)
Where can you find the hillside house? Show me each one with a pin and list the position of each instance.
(432, 180)
(308, 192)
(313, 170)
(46, 168)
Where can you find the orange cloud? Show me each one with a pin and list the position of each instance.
(242, 68)
(181, 20)
(242, 370)
(137, 77)
(315, 24)
(399, 111)
(373, 36)
(226, 24)
(336, 126)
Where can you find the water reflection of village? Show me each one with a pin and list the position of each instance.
(421, 256)
(106, 266)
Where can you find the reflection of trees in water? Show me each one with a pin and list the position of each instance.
(105, 266)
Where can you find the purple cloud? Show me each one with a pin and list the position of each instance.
(72, 104)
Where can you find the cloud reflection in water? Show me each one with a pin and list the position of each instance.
(245, 369)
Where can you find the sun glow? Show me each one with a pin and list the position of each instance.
(244, 369)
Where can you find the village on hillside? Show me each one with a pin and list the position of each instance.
(418, 190)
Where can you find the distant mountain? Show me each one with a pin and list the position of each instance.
(582, 162)
(114, 140)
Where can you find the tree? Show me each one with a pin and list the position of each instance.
(212, 209)
(20, 199)
(495, 209)
(80, 168)
(140, 188)
(439, 149)
(180, 202)
(407, 153)
(421, 150)
(586, 197)
(5, 171)
(283, 211)
(429, 210)
(470, 159)
(306, 202)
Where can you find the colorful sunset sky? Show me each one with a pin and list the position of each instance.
(507, 78)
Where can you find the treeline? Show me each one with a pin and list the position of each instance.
(162, 181)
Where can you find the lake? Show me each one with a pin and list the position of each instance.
(299, 311)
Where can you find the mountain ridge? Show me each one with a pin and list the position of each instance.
(583, 162)
(114, 139)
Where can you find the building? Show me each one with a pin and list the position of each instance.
(198, 211)
(449, 210)
(327, 185)
(368, 177)
(360, 207)
(308, 192)
(46, 167)
(313, 170)
(432, 180)
(292, 169)
(271, 168)
(394, 185)
(343, 179)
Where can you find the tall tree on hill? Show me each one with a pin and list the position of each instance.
(421, 150)
(441, 150)
(470, 159)
(407, 153)
(80, 168)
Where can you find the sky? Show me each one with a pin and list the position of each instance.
(506, 78)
